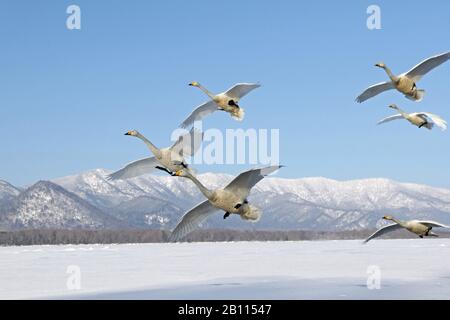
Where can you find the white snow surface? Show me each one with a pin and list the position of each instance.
(410, 269)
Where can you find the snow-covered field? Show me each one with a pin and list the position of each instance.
(408, 269)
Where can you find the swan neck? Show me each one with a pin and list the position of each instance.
(403, 113)
(150, 145)
(206, 192)
(206, 91)
(390, 74)
(399, 222)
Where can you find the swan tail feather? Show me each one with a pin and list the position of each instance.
(251, 213)
(418, 95)
(239, 114)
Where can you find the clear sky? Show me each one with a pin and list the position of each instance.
(67, 97)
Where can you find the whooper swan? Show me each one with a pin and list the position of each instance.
(169, 160)
(406, 82)
(232, 199)
(419, 119)
(421, 228)
(226, 101)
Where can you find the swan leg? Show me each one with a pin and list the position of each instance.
(226, 215)
(430, 234)
(233, 103)
(238, 206)
(165, 170)
(423, 124)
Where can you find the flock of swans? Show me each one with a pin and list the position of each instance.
(406, 83)
(233, 198)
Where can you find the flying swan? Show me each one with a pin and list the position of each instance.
(169, 160)
(226, 101)
(406, 82)
(421, 228)
(232, 199)
(419, 119)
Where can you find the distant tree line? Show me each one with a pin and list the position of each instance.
(48, 237)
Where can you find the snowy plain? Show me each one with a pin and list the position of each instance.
(409, 269)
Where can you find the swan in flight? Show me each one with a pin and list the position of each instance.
(419, 119)
(169, 160)
(421, 228)
(406, 82)
(226, 101)
(232, 199)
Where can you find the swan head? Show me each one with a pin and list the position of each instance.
(194, 84)
(380, 65)
(133, 133)
(393, 106)
(388, 218)
(183, 173)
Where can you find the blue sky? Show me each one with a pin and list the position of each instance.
(67, 97)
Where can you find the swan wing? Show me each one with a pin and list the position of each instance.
(434, 224)
(191, 220)
(383, 230)
(199, 113)
(374, 90)
(437, 120)
(134, 169)
(244, 182)
(241, 89)
(391, 118)
(189, 143)
(426, 66)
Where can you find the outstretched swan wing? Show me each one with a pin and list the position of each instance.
(134, 169)
(199, 113)
(374, 90)
(382, 231)
(434, 224)
(191, 220)
(189, 143)
(241, 89)
(437, 120)
(243, 183)
(391, 118)
(426, 66)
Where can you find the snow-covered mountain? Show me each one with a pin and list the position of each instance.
(48, 205)
(7, 191)
(90, 200)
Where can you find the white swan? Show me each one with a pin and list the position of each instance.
(406, 82)
(169, 160)
(226, 101)
(419, 119)
(232, 199)
(421, 228)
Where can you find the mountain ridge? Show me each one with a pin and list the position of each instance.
(158, 201)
